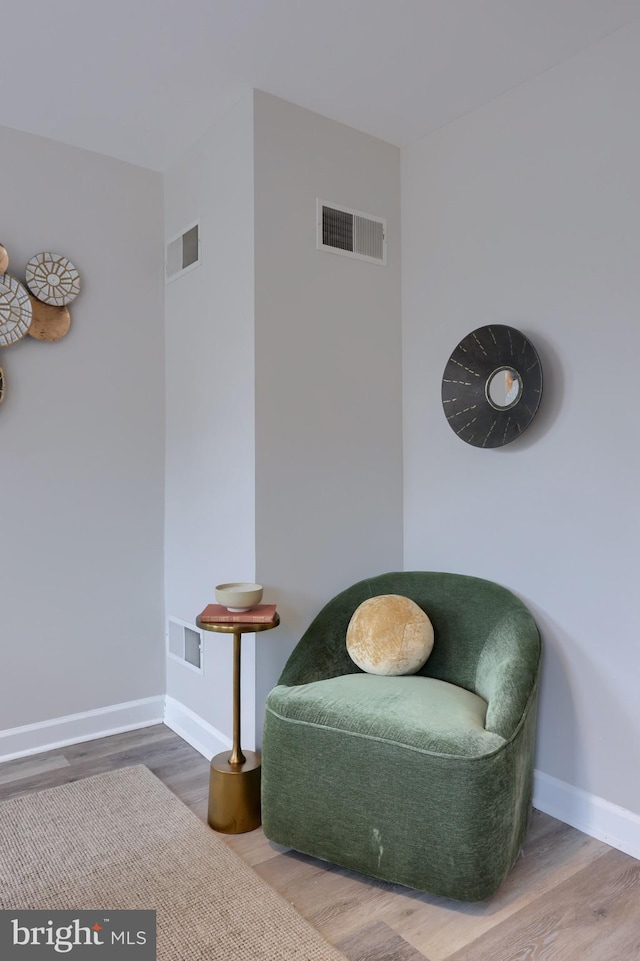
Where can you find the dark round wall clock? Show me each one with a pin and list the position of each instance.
(492, 386)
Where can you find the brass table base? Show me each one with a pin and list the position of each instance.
(234, 794)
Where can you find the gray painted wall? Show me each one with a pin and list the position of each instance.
(328, 373)
(522, 212)
(525, 212)
(210, 467)
(82, 439)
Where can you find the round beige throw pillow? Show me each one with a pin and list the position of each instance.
(389, 634)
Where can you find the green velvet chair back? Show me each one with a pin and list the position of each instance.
(474, 622)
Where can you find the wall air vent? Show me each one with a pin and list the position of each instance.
(185, 644)
(351, 233)
(183, 252)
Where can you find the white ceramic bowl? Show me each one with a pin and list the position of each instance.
(239, 597)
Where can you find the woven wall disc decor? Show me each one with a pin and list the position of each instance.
(38, 308)
(15, 310)
(53, 279)
(49, 323)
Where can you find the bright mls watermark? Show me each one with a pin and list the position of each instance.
(79, 935)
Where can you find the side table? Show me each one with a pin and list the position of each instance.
(234, 781)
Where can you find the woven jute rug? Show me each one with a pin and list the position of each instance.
(122, 840)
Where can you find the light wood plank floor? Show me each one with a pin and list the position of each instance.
(570, 898)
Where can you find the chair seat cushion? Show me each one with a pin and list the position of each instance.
(418, 713)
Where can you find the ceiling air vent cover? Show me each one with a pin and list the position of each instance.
(351, 233)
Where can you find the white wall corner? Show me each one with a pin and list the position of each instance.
(588, 813)
(193, 729)
(74, 728)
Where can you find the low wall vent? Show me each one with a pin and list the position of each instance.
(185, 644)
(351, 233)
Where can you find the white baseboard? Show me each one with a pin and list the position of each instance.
(201, 735)
(87, 726)
(588, 813)
(117, 718)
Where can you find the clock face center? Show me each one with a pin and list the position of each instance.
(504, 388)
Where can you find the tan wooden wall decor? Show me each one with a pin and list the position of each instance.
(38, 307)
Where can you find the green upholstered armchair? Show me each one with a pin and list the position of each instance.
(423, 780)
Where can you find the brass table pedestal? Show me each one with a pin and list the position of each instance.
(234, 781)
(234, 794)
